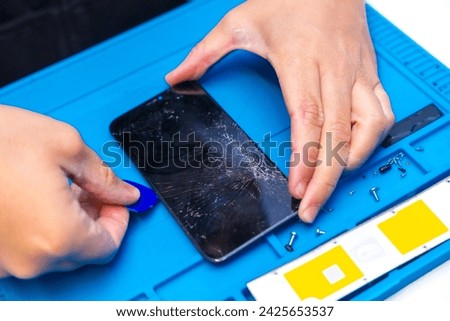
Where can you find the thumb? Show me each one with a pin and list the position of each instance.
(89, 172)
(217, 43)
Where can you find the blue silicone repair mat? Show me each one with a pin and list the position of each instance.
(156, 260)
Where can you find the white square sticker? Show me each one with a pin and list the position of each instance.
(333, 274)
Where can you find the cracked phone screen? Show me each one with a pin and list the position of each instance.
(220, 187)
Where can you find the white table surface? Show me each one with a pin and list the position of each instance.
(428, 23)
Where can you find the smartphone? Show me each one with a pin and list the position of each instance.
(221, 188)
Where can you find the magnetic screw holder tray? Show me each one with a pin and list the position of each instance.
(156, 261)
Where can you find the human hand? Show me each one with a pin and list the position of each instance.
(324, 59)
(45, 223)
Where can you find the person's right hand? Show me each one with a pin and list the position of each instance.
(324, 59)
(46, 224)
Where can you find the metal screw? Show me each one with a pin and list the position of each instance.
(398, 161)
(319, 232)
(403, 175)
(351, 193)
(419, 148)
(291, 241)
(374, 193)
(385, 168)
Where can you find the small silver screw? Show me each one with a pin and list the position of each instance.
(374, 193)
(351, 193)
(319, 232)
(291, 241)
(398, 161)
(419, 148)
(403, 175)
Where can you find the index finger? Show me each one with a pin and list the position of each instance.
(300, 85)
(336, 133)
(97, 241)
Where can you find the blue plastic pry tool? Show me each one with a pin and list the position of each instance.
(146, 201)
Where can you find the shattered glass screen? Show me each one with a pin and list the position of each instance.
(216, 182)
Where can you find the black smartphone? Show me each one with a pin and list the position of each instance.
(217, 183)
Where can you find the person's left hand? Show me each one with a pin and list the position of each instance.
(47, 224)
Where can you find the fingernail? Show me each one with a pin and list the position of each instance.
(133, 190)
(309, 214)
(146, 198)
(300, 190)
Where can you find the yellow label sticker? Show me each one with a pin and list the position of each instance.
(412, 227)
(324, 275)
